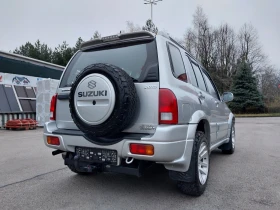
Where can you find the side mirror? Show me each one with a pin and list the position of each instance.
(227, 96)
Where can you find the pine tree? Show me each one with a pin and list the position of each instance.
(96, 35)
(150, 26)
(62, 54)
(78, 44)
(37, 51)
(245, 91)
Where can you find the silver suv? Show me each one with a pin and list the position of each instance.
(128, 101)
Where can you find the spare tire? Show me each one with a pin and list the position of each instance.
(103, 101)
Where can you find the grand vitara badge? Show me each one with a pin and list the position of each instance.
(91, 84)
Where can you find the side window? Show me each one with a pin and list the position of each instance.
(177, 64)
(199, 77)
(190, 71)
(210, 86)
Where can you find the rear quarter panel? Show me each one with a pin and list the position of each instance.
(187, 96)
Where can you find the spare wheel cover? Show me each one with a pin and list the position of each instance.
(94, 99)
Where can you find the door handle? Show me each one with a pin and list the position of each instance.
(201, 96)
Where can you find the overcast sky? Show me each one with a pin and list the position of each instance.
(53, 21)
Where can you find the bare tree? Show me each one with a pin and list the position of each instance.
(225, 50)
(189, 41)
(201, 38)
(220, 50)
(223, 56)
(269, 81)
(250, 48)
(130, 27)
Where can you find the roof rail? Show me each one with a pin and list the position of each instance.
(164, 34)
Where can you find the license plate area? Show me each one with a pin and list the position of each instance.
(97, 155)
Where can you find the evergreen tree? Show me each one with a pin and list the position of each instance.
(37, 51)
(150, 26)
(246, 94)
(62, 54)
(78, 44)
(96, 35)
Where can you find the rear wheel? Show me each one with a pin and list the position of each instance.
(201, 161)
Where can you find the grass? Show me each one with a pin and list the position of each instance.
(259, 115)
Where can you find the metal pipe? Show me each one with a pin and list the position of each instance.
(56, 152)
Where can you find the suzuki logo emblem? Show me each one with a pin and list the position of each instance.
(91, 84)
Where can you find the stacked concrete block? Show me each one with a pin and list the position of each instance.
(46, 88)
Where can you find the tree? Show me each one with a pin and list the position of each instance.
(269, 81)
(247, 98)
(96, 35)
(37, 51)
(150, 26)
(250, 48)
(200, 38)
(223, 56)
(78, 44)
(214, 48)
(190, 41)
(62, 54)
(130, 27)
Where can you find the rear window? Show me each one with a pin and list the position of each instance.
(139, 61)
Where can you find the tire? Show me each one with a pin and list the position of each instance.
(229, 147)
(198, 185)
(126, 102)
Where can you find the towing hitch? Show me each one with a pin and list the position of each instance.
(57, 152)
(129, 167)
(81, 166)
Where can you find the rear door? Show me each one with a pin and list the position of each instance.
(219, 106)
(222, 109)
(139, 60)
(207, 102)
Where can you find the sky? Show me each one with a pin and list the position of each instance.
(55, 21)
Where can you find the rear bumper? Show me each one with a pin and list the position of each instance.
(171, 146)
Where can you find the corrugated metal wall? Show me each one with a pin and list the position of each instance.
(16, 102)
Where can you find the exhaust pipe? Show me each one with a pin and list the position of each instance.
(127, 161)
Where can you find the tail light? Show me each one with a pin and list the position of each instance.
(52, 140)
(53, 107)
(168, 107)
(142, 149)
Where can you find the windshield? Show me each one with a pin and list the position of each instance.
(133, 59)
